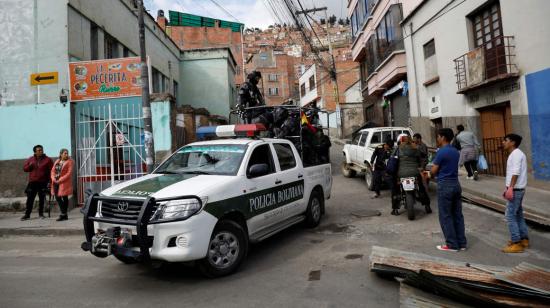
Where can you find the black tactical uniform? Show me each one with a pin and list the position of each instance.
(250, 96)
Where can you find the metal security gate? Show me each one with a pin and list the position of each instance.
(109, 146)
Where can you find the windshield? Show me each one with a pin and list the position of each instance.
(219, 159)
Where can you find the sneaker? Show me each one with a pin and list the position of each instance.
(525, 243)
(374, 196)
(62, 217)
(513, 248)
(476, 176)
(395, 212)
(25, 218)
(462, 248)
(469, 177)
(445, 248)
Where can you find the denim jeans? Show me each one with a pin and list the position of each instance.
(449, 203)
(514, 217)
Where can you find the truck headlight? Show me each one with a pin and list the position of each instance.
(176, 210)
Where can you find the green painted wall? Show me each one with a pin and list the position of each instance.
(23, 126)
(207, 82)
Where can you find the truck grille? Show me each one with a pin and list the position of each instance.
(121, 209)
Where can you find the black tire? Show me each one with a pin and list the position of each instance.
(409, 199)
(346, 171)
(227, 249)
(314, 209)
(369, 179)
(125, 259)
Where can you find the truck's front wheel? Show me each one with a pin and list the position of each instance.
(227, 248)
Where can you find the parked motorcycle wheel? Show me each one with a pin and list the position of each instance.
(409, 199)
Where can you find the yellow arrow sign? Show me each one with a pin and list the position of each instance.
(44, 78)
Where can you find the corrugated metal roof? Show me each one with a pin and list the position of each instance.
(528, 276)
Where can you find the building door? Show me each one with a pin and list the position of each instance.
(496, 122)
(109, 146)
(487, 25)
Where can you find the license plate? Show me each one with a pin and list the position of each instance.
(408, 184)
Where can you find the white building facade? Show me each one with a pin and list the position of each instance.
(485, 65)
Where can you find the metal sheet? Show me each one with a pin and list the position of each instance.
(411, 298)
(528, 276)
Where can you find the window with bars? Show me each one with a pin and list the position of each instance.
(110, 47)
(273, 91)
(311, 83)
(272, 77)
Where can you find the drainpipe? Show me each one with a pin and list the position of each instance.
(415, 75)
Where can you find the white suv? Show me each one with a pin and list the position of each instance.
(358, 152)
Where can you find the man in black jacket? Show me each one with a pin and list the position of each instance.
(250, 95)
(378, 162)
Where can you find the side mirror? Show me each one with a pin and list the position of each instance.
(258, 170)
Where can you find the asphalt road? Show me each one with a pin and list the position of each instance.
(323, 267)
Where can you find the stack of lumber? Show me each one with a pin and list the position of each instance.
(428, 281)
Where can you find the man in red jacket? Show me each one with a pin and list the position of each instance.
(39, 166)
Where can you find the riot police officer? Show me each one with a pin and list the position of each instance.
(250, 96)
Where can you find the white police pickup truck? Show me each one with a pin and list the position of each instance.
(207, 202)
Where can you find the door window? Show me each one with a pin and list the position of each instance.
(363, 139)
(356, 139)
(285, 156)
(376, 138)
(261, 155)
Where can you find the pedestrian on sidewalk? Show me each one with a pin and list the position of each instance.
(38, 166)
(62, 183)
(378, 162)
(449, 192)
(516, 181)
(469, 151)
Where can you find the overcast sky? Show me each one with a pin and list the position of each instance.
(253, 13)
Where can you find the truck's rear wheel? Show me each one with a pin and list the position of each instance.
(227, 249)
(347, 171)
(314, 209)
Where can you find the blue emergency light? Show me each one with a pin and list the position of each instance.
(237, 130)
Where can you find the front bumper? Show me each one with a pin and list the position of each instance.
(173, 241)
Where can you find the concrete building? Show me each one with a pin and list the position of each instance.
(483, 64)
(209, 79)
(198, 32)
(378, 47)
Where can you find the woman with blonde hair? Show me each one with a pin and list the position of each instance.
(62, 182)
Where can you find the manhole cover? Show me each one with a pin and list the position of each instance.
(366, 213)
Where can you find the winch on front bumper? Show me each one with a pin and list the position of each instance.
(127, 231)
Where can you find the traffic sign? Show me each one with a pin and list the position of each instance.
(44, 78)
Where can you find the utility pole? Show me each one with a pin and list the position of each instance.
(145, 99)
(333, 73)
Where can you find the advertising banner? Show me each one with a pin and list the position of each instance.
(107, 78)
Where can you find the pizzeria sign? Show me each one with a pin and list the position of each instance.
(109, 78)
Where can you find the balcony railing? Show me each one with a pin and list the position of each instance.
(491, 62)
(383, 53)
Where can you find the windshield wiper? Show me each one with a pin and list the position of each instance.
(167, 172)
(196, 172)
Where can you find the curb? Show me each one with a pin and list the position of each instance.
(40, 231)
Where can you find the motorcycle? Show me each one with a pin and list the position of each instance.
(410, 192)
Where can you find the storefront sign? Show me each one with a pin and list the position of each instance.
(105, 78)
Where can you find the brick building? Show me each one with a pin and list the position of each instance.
(197, 32)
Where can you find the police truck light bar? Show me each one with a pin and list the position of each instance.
(238, 130)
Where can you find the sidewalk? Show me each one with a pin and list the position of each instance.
(488, 192)
(11, 224)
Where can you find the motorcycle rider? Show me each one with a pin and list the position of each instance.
(410, 164)
(378, 162)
